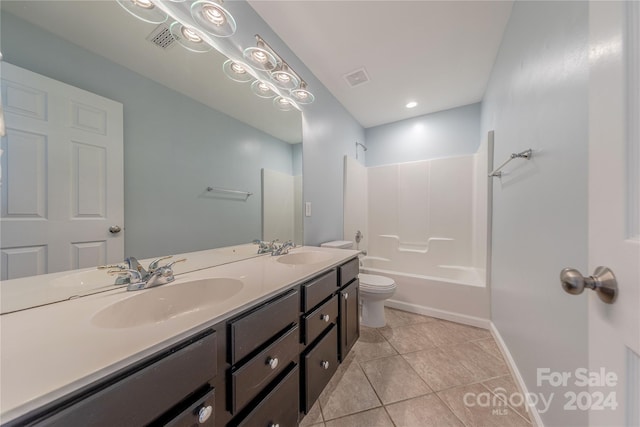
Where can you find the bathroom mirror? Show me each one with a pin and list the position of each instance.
(187, 127)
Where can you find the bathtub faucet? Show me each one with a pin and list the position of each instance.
(361, 256)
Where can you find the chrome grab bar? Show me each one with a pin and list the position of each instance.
(526, 154)
(226, 190)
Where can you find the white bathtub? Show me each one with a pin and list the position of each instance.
(452, 293)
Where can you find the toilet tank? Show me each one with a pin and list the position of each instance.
(338, 244)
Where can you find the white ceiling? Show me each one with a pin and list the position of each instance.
(105, 28)
(437, 53)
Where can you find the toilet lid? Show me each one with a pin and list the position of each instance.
(376, 283)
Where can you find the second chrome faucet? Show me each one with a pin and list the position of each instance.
(136, 277)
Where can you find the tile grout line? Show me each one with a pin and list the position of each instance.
(508, 404)
(435, 392)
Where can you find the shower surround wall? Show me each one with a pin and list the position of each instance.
(422, 228)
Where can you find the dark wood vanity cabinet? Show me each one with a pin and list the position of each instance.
(331, 327)
(173, 387)
(349, 306)
(349, 318)
(263, 354)
(319, 364)
(262, 367)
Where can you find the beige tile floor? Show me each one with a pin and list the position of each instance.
(416, 372)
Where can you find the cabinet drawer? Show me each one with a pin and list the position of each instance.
(320, 319)
(200, 413)
(319, 366)
(319, 289)
(253, 376)
(146, 393)
(249, 332)
(349, 271)
(279, 407)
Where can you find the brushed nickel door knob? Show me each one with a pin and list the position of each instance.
(115, 229)
(603, 281)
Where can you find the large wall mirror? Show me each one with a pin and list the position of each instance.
(186, 128)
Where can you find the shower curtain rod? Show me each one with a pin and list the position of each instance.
(526, 154)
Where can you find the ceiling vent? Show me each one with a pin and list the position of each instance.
(357, 77)
(161, 37)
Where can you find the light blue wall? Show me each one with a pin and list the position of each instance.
(328, 132)
(537, 98)
(443, 134)
(297, 159)
(174, 148)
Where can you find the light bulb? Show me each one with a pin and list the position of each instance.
(283, 77)
(303, 96)
(190, 35)
(214, 15)
(411, 104)
(238, 69)
(259, 56)
(145, 4)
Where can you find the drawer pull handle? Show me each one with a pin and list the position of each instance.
(325, 364)
(272, 362)
(346, 295)
(204, 413)
(325, 317)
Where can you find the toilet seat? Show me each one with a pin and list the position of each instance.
(376, 284)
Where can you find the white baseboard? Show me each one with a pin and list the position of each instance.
(515, 373)
(440, 314)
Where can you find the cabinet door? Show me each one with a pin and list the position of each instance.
(349, 318)
(320, 363)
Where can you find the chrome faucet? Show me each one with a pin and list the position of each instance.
(162, 275)
(283, 249)
(124, 279)
(274, 247)
(265, 247)
(136, 277)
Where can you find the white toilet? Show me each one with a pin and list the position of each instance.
(374, 290)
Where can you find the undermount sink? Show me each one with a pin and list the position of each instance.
(307, 257)
(166, 302)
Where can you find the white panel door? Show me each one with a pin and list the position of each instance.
(612, 394)
(62, 176)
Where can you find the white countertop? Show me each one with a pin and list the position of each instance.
(27, 292)
(49, 351)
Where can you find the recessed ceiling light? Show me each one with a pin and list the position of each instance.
(411, 104)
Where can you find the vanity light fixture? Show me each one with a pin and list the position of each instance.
(195, 22)
(284, 104)
(237, 71)
(260, 58)
(213, 18)
(189, 37)
(302, 95)
(264, 58)
(284, 78)
(263, 89)
(144, 10)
